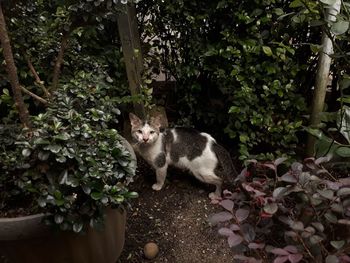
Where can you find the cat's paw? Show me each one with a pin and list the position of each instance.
(157, 187)
(215, 197)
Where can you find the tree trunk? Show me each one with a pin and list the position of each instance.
(322, 79)
(128, 32)
(12, 72)
(59, 60)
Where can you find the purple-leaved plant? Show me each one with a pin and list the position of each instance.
(280, 213)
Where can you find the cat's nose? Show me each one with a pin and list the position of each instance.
(145, 139)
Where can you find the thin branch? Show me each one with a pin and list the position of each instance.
(59, 60)
(34, 95)
(12, 72)
(36, 76)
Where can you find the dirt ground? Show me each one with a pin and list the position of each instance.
(176, 219)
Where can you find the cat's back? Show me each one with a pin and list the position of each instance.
(186, 142)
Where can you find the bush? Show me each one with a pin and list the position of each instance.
(72, 164)
(239, 67)
(295, 213)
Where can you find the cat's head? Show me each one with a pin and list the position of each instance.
(145, 132)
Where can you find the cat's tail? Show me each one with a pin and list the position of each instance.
(225, 161)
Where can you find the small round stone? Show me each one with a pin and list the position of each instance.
(151, 250)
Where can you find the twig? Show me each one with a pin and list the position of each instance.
(36, 76)
(34, 95)
(306, 248)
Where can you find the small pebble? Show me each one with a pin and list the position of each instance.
(151, 250)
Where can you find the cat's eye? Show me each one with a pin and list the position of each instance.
(139, 131)
(152, 132)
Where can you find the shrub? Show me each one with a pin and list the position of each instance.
(72, 164)
(239, 67)
(296, 213)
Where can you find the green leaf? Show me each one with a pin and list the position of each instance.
(331, 217)
(271, 208)
(77, 227)
(328, 194)
(132, 195)
(62, 136)
(26, 152)
(267, 50)
(296, 3)
(332, 259)
(338, 244)
(340, 27)
(54, 148)
(41, 141)
(96, 195)
(343, 151)
(343, 191)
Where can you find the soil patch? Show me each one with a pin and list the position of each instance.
(176, 219)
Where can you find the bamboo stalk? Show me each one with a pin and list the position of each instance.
(322, 78)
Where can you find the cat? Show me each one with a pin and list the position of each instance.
(184, 148)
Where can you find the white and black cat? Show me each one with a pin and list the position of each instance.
(184, 148)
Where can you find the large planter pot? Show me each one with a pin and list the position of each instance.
(28, 240)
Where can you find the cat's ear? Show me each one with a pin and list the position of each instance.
(134, 120)
(156, 121)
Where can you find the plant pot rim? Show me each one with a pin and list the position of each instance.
(22, 227)
(21, 218)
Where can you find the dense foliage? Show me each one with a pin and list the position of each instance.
(91, 37)
(298, 213)
(72, 164)
(239, 66)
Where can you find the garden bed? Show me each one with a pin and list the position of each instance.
(176, 219)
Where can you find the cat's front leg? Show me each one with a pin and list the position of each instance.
(161, 175)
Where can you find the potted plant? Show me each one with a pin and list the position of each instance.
(71, 171)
